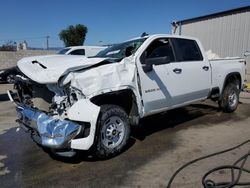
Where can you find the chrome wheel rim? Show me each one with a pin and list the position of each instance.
(232, 99)
(112, 132)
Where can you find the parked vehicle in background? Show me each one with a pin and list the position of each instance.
(7, 75)
(82, 50)
(86, 103)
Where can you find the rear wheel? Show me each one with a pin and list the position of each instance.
(230, 98)
(113, 131)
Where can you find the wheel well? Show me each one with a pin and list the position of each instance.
(124, 98)
(233, 78)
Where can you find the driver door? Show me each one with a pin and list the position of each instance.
(154, 89)
(176, 82)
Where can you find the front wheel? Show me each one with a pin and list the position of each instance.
(10, 79)
(230, 98)
(113, 131)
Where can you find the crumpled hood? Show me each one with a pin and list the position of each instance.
(48, 69)
(102, 79)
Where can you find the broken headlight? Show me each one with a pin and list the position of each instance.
(75, 95)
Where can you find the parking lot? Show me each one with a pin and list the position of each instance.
(162, 144)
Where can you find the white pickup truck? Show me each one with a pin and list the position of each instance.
(70, 103)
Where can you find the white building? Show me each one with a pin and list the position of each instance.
(225, 33)
(22, 46)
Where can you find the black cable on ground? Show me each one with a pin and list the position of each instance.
(207, 183)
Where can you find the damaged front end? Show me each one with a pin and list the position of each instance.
(52, 116)
(58, 98)
(46, 130)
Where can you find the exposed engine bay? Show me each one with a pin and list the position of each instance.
(48, 98)
(42, 110)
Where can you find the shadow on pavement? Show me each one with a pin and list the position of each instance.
(171, 119)
(4, 97)
(148, 126)
(87, 156)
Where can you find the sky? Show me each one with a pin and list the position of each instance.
(109, 21)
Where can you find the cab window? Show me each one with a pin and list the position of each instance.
(160, 48)
(78, 52)
(63, 51)
(186, 50)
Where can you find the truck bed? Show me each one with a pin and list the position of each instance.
(223, 67)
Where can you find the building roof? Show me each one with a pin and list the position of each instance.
(218, 14)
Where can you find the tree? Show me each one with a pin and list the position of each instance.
(9, 46)
(74, 35)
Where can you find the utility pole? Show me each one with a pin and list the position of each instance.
(47, 40)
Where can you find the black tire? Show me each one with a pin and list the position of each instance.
(230, 98)
(108, 114)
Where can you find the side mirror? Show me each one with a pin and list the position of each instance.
(149, 62)
(247, 53)
(158, 60)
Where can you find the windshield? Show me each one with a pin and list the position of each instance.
(122, 50)
(63, 51)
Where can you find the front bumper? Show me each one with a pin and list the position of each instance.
(50, 132)
(57, 133)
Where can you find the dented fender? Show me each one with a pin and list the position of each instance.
(109, 76)
(105, 79)
(85, 111)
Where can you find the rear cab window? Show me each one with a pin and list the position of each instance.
(77, 52)
(186, 50)
(63, 51)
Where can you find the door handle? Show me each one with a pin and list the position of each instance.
(177, 71)
(206, 68)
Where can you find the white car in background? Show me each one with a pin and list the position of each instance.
(81, 50)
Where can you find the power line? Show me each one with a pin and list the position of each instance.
(26, 38)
